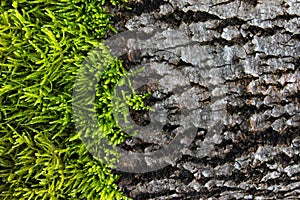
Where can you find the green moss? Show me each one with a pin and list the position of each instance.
(108, 106)
(42, 45)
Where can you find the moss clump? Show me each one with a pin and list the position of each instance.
(42, 45)
(110, 107)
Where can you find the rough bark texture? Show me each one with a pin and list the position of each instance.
(256, 44)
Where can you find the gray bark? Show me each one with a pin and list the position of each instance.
(256, 46)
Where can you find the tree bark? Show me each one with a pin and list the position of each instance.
(255, 45)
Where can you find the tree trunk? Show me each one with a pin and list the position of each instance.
(255, 47)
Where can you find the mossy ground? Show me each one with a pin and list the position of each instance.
(42, 45)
